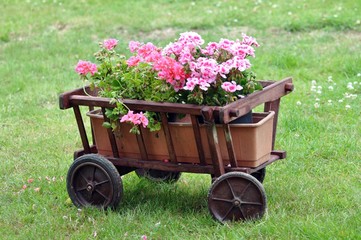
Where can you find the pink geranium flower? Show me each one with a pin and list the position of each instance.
(135, 118)
(85, 67)
(231, 86)
(110, 44)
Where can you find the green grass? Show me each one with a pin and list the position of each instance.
(313, 194)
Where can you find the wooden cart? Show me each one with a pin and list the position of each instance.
(236, 192)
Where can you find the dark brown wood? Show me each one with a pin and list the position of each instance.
(81, 128)
(91, 108)
(64, 99)
(111, 136)
(80, 152)
(141, 145)
(214, 148)
(137, 105)
(160, 165)
(242, 106)
(198, 138)
(280, 153)
(274, 157)
(230, 147)
(273, 106)
(168, 137)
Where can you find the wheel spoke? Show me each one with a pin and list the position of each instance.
(231, 188)
(81, 174)
(81, 189)
(252, 203)
(222, 199)
(102, 182)
(105, 197)
(240, 209)
(228, 212)
(93, 175)
(244, 190)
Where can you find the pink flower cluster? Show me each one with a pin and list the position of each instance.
(231, 86)
(110, 44)
(135, 118)
(167, 68)
(217, 59)
(85, 67)
(203, 73)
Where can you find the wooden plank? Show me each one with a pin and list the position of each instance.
(214, 148)
(273, 106)
(229, 144)
(198, 138)
(141, 145)
(242, 106)
(111, 136)
(64, 98)
(81, 128)
(138, 105)
(168, 138)
(164, 166)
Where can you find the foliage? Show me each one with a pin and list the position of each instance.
(182, 72)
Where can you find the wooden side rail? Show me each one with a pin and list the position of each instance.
(270, 96)
(271, 92)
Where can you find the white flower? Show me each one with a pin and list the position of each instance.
(316, 105)
(313, 82)
(359, 74)
(350, 86)
(298, 103)
(330, 88)
(347, 107)
(340, 101)
(329, 102)
(317, 99)
(313, 89)
(319, 91)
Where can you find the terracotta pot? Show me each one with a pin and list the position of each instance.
(252, 142)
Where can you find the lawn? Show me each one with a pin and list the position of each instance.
(315, 193)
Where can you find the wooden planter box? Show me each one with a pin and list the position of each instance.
(252, 142)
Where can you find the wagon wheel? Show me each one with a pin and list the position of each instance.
(237, 196)
(158, 175)
(94, 181)
(260, 174)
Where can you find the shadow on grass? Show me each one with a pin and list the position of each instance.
(187, 196)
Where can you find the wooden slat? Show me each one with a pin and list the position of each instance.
(242, 106)
(81, 128)
(159, 165)
(273, 106)
(229, 144)
(111, 136)
(198, 139)
(64, 98)
(168, 138)
(141, 145)
(213, 143)
(137, 105)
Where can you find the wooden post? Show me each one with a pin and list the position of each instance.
(213, 142)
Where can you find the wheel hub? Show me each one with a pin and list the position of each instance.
(237, 202)
(90, 187)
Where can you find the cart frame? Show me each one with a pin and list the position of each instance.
(227, 179)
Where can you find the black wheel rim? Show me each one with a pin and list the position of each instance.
(92, 185)
(236, 197)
